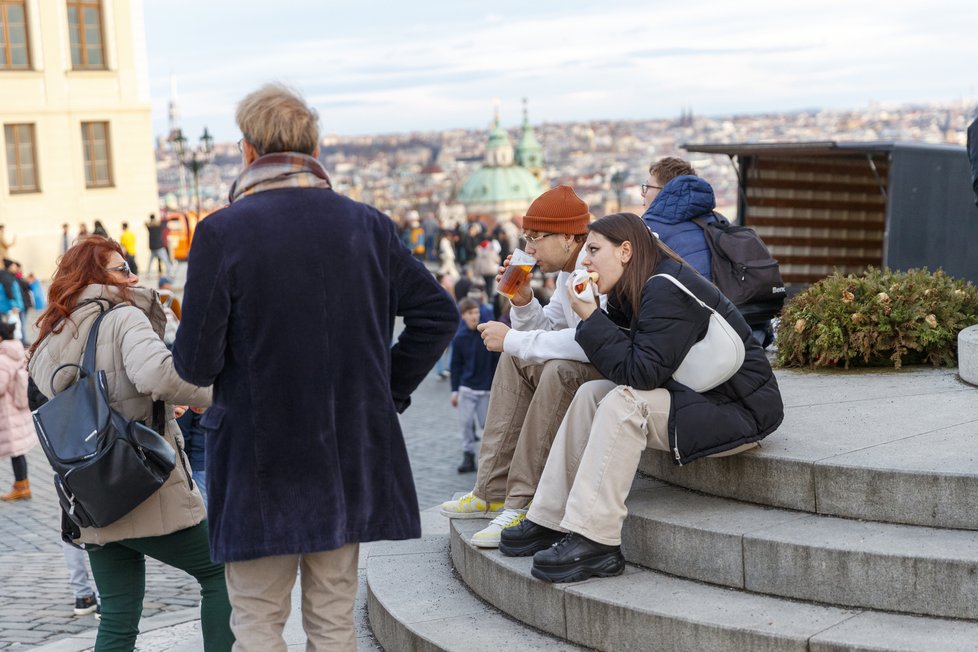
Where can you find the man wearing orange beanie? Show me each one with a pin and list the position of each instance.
(538, 373)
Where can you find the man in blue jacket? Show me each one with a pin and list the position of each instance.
(675, 196)
(289, 308)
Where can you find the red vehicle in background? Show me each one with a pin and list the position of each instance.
(179, 231)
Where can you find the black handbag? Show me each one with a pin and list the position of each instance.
(104, 464)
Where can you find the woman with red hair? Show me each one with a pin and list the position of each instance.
(170, 525)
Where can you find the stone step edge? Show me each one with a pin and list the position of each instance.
(416, 601)
(643, 608)
(799, 555)
(821, 487)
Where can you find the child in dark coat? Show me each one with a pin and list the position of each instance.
(473, 367)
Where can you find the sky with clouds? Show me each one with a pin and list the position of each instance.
(371, 67)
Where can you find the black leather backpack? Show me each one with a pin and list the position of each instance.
(104, 464)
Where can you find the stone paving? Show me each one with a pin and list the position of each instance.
(36, 601)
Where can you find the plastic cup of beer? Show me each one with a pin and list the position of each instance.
(516, 274)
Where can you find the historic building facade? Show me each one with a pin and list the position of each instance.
(76, 116)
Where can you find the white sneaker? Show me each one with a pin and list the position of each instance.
(489, 537)
(470, 506)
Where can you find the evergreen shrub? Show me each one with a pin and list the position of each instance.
(877, 319)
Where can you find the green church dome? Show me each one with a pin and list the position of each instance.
(500, 180)
(492, 185)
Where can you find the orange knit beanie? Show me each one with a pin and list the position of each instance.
(559, 210)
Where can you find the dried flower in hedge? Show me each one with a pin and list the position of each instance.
(878, 319)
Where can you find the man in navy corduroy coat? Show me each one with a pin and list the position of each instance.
(289, 309)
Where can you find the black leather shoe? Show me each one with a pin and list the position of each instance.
(527, 538)
(575, 558)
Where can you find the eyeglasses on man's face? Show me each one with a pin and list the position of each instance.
(536, 238)
(646, 186)
(241, 142)
(124, 268)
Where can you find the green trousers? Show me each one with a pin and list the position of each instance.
(119, 570)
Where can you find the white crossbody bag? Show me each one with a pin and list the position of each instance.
(714, 359)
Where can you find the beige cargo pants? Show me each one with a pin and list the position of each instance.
(526, 405)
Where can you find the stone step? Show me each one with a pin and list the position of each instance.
(894, 446)
(415, 601)
(904, 568)
(648, 610)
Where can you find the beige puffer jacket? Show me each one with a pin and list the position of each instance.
(138, 369)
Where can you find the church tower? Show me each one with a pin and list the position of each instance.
(173, 124)
(499, 149)
(173, 109)
(529, 152)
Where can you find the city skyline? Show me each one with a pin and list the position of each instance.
(439, 65)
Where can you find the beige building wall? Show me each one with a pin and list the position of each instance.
(57, 99)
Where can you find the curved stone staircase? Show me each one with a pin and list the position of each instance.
(855, 527)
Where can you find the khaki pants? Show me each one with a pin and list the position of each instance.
(526, 405)
(594, 458)
(260, 591)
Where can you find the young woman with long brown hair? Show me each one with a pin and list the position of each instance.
(637, 345)
(170, 525)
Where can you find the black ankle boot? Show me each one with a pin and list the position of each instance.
(575, 558)
(468, 463)
(527, 538)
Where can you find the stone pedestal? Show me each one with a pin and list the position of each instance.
(968, 354)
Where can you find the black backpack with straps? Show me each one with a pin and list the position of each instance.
(743, 269)
(104, 464)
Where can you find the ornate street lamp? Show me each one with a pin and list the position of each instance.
(194, 158)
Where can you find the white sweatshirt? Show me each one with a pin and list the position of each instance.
(542, 333)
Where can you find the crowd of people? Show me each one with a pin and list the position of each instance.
(19, 292)
(459, 248)
(157, 234)
(289, 375)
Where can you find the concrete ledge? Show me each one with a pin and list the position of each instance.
(914, 570)
(690, 535)
(968, 354)
(902, 568)
(892, 446)
(506, 583)
(416, 602)
(647, 610)
(756, 476)
(881, 631)
(641, 609)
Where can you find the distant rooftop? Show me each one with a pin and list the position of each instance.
(815, 148)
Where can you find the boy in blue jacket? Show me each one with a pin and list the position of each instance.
(473, 367)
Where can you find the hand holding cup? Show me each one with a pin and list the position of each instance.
(514, 281)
